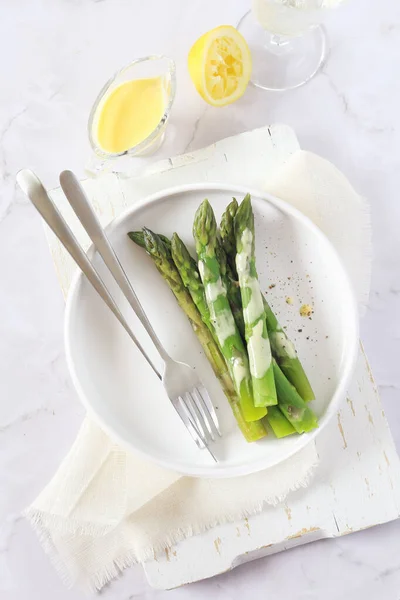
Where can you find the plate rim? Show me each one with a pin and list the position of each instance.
(344, 379)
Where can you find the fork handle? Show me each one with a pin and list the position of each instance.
(33, 188)
(77, 198)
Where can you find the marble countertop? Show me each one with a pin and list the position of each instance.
(56, 54)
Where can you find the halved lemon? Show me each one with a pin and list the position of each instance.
(220, 65)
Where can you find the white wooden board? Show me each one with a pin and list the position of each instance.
(357, 485)
(358, 482)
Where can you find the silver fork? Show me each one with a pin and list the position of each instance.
(183, 386)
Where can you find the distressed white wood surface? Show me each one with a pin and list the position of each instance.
(253, 156)
(358, 482)
(357, 485)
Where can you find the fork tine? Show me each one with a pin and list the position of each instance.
(212, 455)
(186, 418)
(199, 405)
(191, 406)
(209, 406)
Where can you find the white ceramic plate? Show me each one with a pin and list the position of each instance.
(115, 383)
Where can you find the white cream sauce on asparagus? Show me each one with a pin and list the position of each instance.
(215, 289)
(284, 347)
(259, 351)
(224, 324)
(239, 371)
(255, 308)
(258, 347)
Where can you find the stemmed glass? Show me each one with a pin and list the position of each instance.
(287, 40)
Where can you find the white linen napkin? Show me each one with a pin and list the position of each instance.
(106, 509)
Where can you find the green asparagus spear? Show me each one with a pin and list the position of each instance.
(232, 287)
(187, 268)
(161, 255)
(286, 356)
(258, 345)
(189, 272)
(190, 275)
(227, 231)
(292, 405)
(276, 419)
(228, 335)
(282, 348)
(228, 257)
(279, 423)
(138, 238)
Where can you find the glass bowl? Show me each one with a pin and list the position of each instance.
(141, 68)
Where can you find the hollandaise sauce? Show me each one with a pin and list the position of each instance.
(130, 113)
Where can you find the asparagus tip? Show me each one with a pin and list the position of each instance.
(137, 237)
(204, 226)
